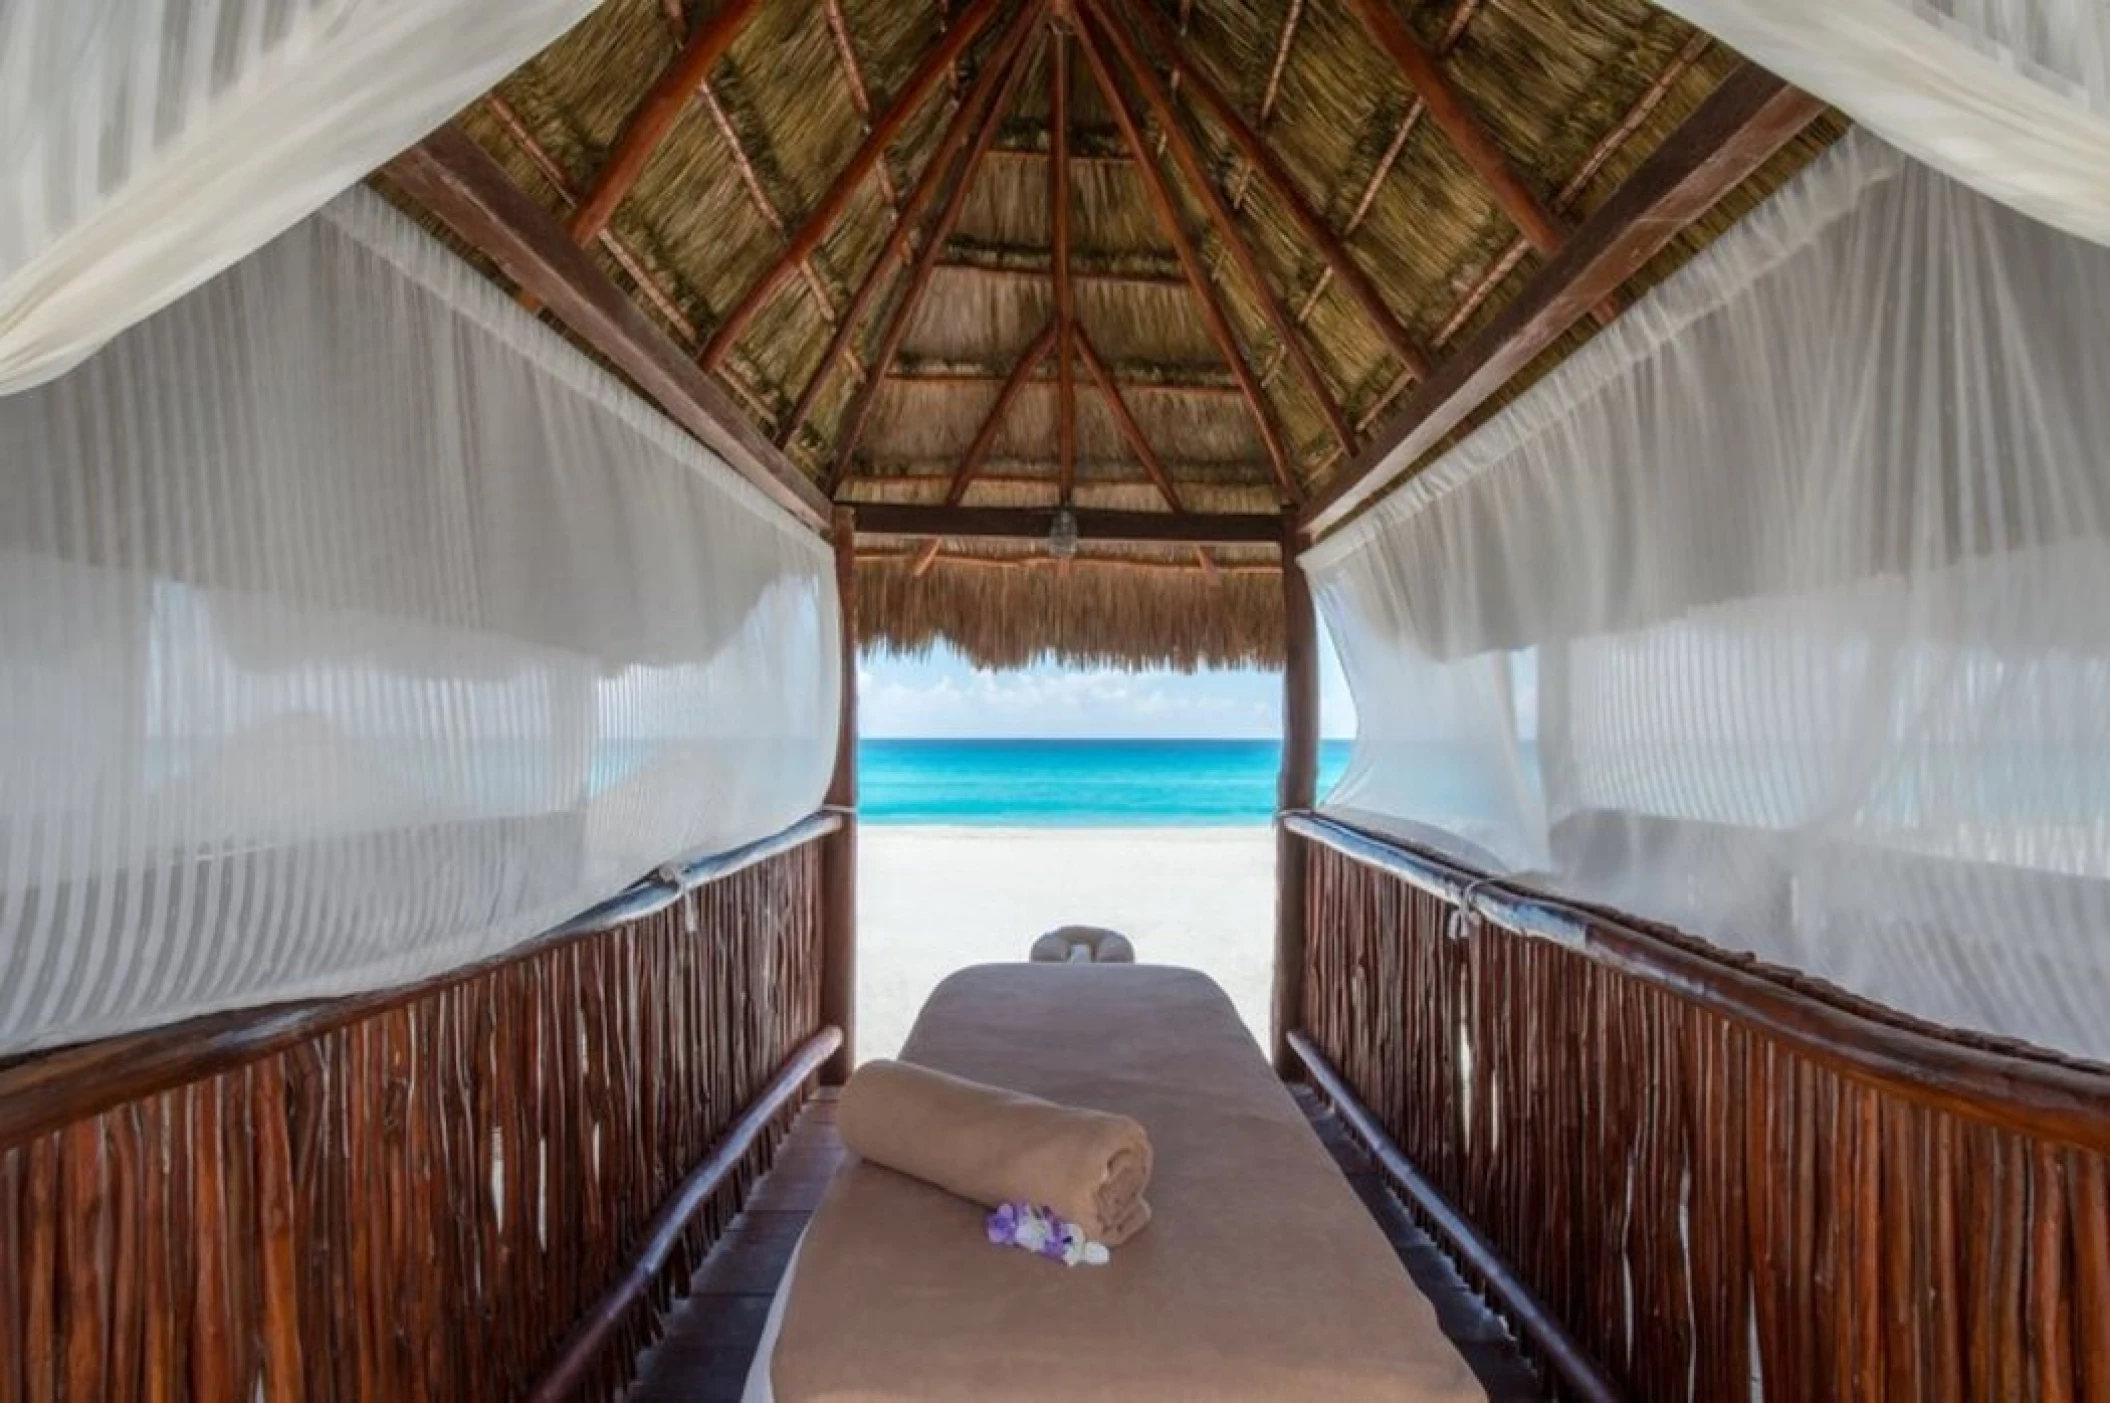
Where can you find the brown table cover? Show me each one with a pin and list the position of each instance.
(1261, 1275)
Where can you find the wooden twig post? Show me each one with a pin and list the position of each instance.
(1297, 788)
(839, 857)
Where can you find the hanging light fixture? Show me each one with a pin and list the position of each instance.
(1062, 534)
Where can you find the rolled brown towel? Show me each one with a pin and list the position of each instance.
(995, 1146)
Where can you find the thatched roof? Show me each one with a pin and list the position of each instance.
(946, 388)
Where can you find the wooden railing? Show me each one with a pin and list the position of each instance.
(1700, 1171)
(420, 1193)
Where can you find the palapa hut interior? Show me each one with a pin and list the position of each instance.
(451, 454)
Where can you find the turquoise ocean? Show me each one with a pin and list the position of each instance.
(1076, 783)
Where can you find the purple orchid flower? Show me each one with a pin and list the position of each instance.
(1040, 1231)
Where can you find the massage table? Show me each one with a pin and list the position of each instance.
(1261, 1276)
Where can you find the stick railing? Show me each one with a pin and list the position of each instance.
(417, 1193)
(1722, 1180)
(587, 1347)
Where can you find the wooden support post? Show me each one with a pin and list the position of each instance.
(1296, 788)
(839, 857)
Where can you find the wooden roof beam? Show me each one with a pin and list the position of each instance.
(860, 95)
(883, 519)
(1514, 254)
(1223, 219)
(1448, 108)
(984, 436)
(860, 412)
(1468, 135)
(820, 220)
(1225, 222)
(1257, 155)
(648, 125)
(1748, 118)
(468, 191)
(759, 196)
(1213, 315)
(920, 198)
(1126, 419)
(1059, 214)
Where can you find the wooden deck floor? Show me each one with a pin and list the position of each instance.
(712, 1335)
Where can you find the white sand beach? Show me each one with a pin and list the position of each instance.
(932, 900)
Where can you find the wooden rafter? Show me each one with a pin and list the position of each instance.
(860, 95)
(1205, 566)
(1577, 183)
(1283, 40)
(1258, 157)
(1748, 118)
(1226, 225)
(758, 195)
(1059, 215)
(860, 412)
(820, 220)
(1213, 314)
(964, 119)
(618, 248)
(1606, 147)
(1126, 419)
(1093, 475)
(460, 184)
(883, 519)
(984, 436)
(654, 117)
(1461, 17)
(1468, 135)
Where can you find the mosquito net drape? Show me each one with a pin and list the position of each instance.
(147, 144)
(2010, 96)
(1778, 611)
(354, 626)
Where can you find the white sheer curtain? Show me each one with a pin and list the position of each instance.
(353, 626)
(2010, 96)
(147, 144)
(1785, 597)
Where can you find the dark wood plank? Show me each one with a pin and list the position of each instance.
(705, 1354)
(750, 1259)
(1749, 117)
(876, 519)
(797, 1180)
(459, 183)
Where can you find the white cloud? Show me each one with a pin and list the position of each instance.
(943, 696)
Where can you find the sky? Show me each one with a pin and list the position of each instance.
(944, 696)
